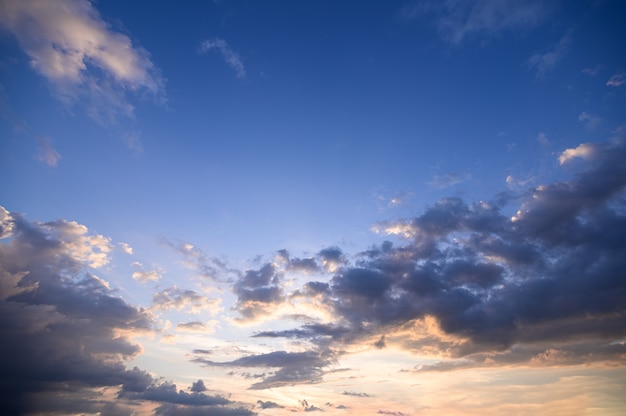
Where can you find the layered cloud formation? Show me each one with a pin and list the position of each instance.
(67, 336)
(541, 287)
(530, 280)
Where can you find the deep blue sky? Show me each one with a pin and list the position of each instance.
(256, 156)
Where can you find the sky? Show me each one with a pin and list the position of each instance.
(236, 207)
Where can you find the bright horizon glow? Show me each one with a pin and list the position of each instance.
(241, 208)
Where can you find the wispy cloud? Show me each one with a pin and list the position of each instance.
(617, 80)
(590, 121)
(543, 62)
(231, 57)
(79, 54)
(449, 179)
(46, 153)
(457, 21)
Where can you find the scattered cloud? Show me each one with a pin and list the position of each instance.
(617, 80)
(541, 63)
(185, 299)
(198, 326)
(126, 248)
(231, 57)
(61, 325)
(142, 275)
(305, 367)
(80, 56)
(457, 21)
(46, 153)
(591, 121)
(543, 287)
(592, 72)
(447, 180)
(542, 139)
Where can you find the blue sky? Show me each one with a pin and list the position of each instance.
(241, 207)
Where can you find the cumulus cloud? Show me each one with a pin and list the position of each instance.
(231, 57)
(79, 54)
(541, 288)
(61, 325)
(142, 275)
(66, 335)
(457, 21)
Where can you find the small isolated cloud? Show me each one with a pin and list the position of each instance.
(142, 275)
(617, 80)
(590, 121)
(542, 138)
(79, 54)
(126, 248)
(269, 405)
(231, 57)
(447, 180)
(542, 63)
(592, 72)
(133, 141)
(46, 153)
(457, 21)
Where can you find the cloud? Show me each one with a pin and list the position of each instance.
(231, 57)
(617, 80)
(542, 287)
(198, 326)
(62, 327)
(79, 54)
(449, 179)
(293, 367)
(269, 405)
(198, 386)
(185, 299)
(583, 151)
(542, 63)
(142, 275)
(591, 121)
(258, 292)
(542, 138)
(46, 153)
(457, 21)
(126, 248)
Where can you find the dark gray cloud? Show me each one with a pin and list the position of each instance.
(63, 328)
(198, 386)
(170, 409)
(550, 276)
(60, 324)
(269, 405)
(292, 367)
(167, 392)
(257, 291)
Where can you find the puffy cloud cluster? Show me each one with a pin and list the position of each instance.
(543, 287)
(66, 336)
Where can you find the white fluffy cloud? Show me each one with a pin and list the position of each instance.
(79, 54)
